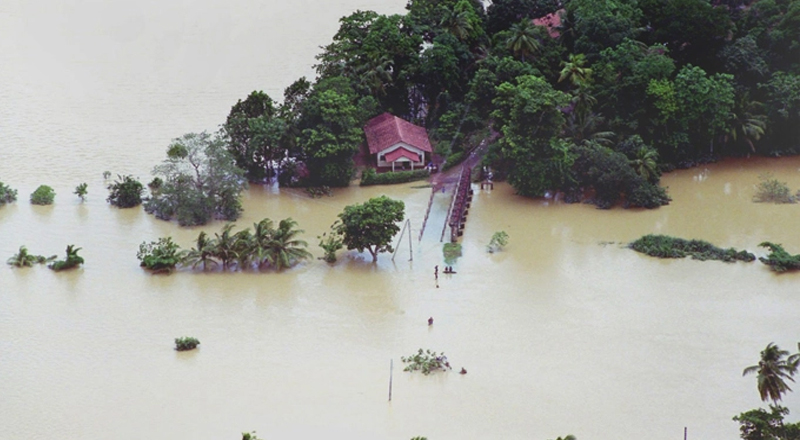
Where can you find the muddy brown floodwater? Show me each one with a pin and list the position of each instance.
(565, 331)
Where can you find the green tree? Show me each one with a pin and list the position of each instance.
(522, 41)
(773, 370)
(575, 70)
(591, 26)
(7, 194)
(201, 182)
(226, 246)
(125, 192)
(43, 195)
(284, 249)
(371, 225)
(759, 424)
(201, 253)
(331, 132)
(251, 129)
(529, 117)
(81, 191)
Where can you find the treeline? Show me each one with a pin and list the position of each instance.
(595, 105)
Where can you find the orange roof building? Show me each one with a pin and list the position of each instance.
(397, 143)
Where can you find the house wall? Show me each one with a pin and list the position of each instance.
(383, 163)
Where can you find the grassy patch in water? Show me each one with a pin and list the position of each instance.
(778, 259)
(664, 246)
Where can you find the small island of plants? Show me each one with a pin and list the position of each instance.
(664, 246)
(186, 343)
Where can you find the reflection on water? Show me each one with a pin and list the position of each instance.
(565, 331)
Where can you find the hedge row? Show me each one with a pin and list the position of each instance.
(370, 177)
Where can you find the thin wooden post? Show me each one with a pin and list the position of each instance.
(410, 246)
(391, 370)
(684, 431)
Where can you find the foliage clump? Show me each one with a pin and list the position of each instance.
(664, 246)
(771, 190)
(72, 260)
(426, 361)
(451, 252)
(371, 177)
(44, 195)
(186, 343)
(371, 225)
(200, 182)
(24, 259)
(125, 192)
(159, 256)
(81, 190)
(7, 194)
(266, 246)
(778, 259)
(330, 244)
(498, 242)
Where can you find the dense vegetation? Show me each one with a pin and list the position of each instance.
(778, 259)
(370, 225)
(71, 261)
(594, 106)
(664, 246)
(25, 259)
(7, 194)
(370, 177)
(43, 195)
(266, 246)
(426, 361)
(125, 192)
(81, 190)
(185, 343)
(197, 182)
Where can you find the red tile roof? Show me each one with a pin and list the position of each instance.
(386, 130)
(551, 21)
(402, 152)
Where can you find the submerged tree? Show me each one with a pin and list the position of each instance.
(201, 182)
(371, 225)
(25, 259)
(72, 260)
(125, 192)
(7, 194)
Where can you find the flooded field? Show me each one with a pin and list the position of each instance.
(564, 332)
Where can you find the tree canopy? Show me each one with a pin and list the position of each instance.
(371, 225)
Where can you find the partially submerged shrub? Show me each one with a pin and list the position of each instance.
(81, 191)
(24, 259)
(330, 244)
(778, 259)
(73, 260)
(7, 194)
(451, 252)
(43, 195)
(498, 242)
(125, 192)
(770, 190)
(159, 256)
(664, 246)
(186, 343)
(426, 361)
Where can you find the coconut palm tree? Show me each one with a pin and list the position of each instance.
(773, 371)
(259, 241)
(458, 24)
(202, 253)
(746, 123)
(285, 249)
(243, 247)
(646, 163)
(22, 258)
(522, 41)
(225, 246)
(575, 71)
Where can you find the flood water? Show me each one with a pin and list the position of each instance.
(565, 331)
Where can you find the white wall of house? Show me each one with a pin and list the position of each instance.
(383, 163)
